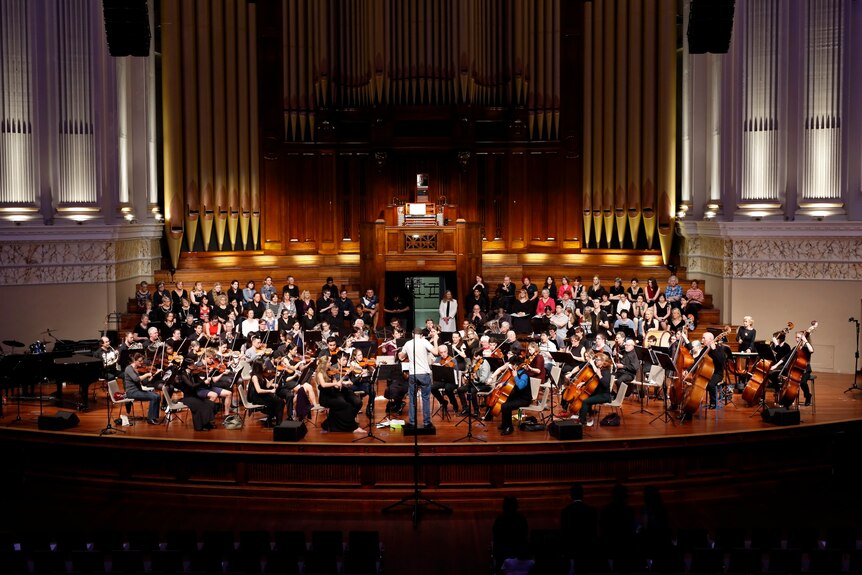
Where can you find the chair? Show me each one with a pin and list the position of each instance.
(541, 401)
(248, 407)
(616, 403)
(113, 393)
(331, 542)
(173, 408)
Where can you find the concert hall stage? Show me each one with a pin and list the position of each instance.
(714, 470)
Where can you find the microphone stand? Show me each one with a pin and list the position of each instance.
(371, 395)
(855, 387)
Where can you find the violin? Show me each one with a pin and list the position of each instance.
(797, 365)
(448, 362)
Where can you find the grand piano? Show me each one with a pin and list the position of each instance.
(80, 370)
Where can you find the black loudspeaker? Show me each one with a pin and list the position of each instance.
(409, 430)
(289, 431)
(62, 420)
(127, 27)
(710, 26)
(781, 416)
(566, 429)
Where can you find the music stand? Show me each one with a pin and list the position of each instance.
(764, 350)
(444, 337)
(371, 395)
(446, 375)
(365, 347)
(313, 336)
(666, 363)
(643, 357)
(387, 372)
(471, 389)
(563, 357)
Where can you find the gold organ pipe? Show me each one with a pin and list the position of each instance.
(666, 127)
(620, 117)
(587, 193)
(648, 141)
(205, 111)
(608, 120)
(243, 124)
(172, 127)
(190, 123)
(599, 135)
(219, 127)
(634, 120)
(232, 123)
(254, 159)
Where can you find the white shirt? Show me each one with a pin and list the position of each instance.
(450, 324)
(417, 363)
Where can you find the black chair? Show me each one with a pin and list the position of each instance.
(291, 542)
(690, 538)
(257, 541)
(785, 561)
(745, 561)
(48, 562)
(727, 538)
(218, 541)
(88, 561)
(14, 562)
(766, 538)
(825, 561)
(705, 560)
(183, 540)
(804, 538)
(108, 540)
(359, 563)
(166, 561)
(364, 541)
(320, 563)
(127, 561)
(143, 540)
(331, 542)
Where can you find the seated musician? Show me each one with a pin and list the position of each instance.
(203, 410)
(782, 351)
(441, 388)
(109, 358)
(389, 347)
(602, 392)
(458, 351)
(331, 351)
(336, 394)
(576, 349)
(718, 357)
(474, 382)
(130, 341)
(134, 377)
(521, 394)
(212, 375)
(262, 391)
(628, 364)
(362, 370)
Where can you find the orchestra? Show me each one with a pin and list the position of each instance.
(188, 348)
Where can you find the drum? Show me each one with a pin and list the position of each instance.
(37, 347)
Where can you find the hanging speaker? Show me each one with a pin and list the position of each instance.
(127, 27)
(710, 26)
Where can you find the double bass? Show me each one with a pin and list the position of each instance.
(754, 388)
(682, 361)
(700, 374)
(796, 366)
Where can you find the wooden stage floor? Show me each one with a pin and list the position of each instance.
(832, 403)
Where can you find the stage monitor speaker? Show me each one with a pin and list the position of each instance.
(710, 26)
(781, 416)
(289, 431)
(62, 420)
(410, 430)
(127, 27)
(566, 429)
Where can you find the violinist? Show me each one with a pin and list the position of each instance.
(337, 395)
(263, 392)
(458, 351)
(602, 393)
(474, 382)
(361, 372)
(331, 351)
(213, 372)
(439, 388)
(133, 380)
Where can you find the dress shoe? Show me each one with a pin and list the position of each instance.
(508, 431)
(711, 406)
(152, 422)
(464, 413)
(807, 402)
(428, 426)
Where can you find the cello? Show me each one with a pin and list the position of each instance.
(754, 388)
(797, 365)
(682, 361)
(582, 387)
(505, 386)
(701, 372)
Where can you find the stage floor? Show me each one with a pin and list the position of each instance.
(833, 401)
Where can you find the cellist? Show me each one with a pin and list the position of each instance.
(602, 394)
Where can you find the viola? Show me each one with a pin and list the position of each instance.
(754, 388)
(700, 374)
(797, 364)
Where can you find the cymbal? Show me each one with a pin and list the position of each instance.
(12, 343)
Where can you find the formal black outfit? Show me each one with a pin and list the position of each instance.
(521, 396)
(440, 388)
(719, 358)
(203, 410)
(602, 394)
(342, 409)
(629, 370)
(746, 337)
(273, 402)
